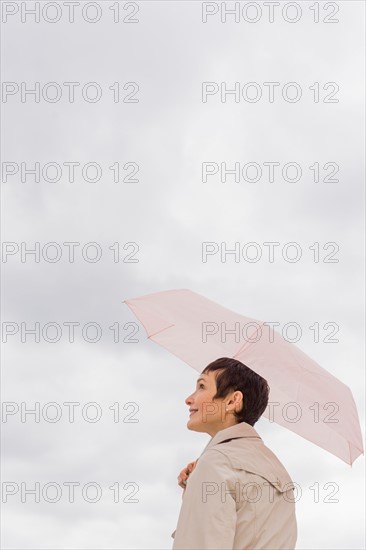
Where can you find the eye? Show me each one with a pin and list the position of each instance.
(201, 385)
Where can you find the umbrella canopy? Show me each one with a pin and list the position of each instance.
(304, 397)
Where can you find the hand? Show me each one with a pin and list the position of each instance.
(185, 473)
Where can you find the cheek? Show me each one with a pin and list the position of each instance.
(199, 399)
(204, 397)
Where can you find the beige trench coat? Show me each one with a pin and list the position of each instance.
(239, 496)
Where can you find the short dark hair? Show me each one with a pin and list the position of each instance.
(237, 376)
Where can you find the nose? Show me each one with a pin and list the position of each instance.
(188, 400)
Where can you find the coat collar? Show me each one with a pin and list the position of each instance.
(242, 429)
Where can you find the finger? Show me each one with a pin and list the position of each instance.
(181, 482)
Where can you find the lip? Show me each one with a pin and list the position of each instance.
(192, 412)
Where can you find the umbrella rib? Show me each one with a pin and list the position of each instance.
(162, 330)
(247, 343)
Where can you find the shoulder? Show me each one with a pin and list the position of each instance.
(251, 456)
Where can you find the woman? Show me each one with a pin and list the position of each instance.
(237, 494)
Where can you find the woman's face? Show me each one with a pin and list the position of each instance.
(210, 416)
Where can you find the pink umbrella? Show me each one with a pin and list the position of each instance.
(304, 397)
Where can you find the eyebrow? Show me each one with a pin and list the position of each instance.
(199, 379)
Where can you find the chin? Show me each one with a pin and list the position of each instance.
(193, 427)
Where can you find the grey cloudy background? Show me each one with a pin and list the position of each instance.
(169, 213)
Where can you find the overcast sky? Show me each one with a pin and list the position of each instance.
(163, 118)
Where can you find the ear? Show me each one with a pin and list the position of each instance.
(238, 397)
